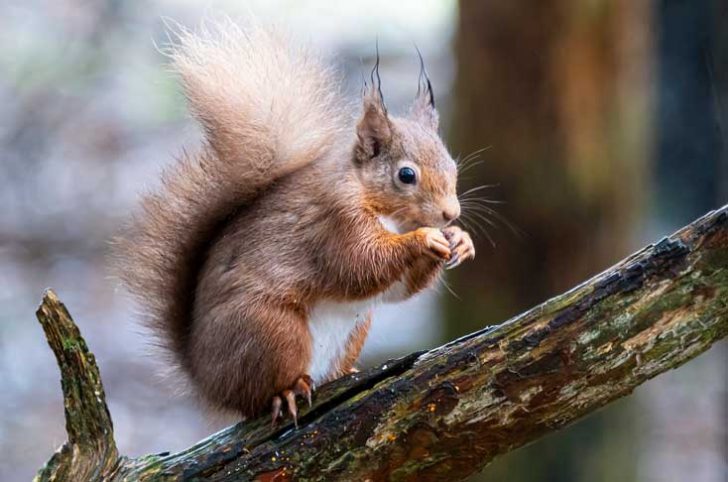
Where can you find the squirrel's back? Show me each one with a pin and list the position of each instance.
(267, 108)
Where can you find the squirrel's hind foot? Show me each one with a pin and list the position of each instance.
(303, 386)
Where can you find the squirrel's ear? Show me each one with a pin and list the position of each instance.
(423, 109)
(374, 130)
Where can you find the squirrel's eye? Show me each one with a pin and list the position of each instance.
(407, 175)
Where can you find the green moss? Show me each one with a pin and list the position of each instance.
(71, 344)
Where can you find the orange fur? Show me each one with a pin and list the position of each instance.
(354, 345)
(279, 212)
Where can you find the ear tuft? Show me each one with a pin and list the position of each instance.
(423, 109)
(374, 130)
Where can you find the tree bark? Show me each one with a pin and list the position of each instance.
(446, 413)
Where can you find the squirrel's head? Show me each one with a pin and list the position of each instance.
(409, 177)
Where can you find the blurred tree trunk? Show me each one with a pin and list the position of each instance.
(690, 174)
(558, 89)
(692, 50)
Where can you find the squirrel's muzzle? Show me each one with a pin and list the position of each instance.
(450, 209)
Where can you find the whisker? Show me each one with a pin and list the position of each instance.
(476, 189)
(464, 162)
(475, 153)
(467, 223)
(482, 216)
(447, 287)
(480, 203)
(486, 213)
(466, 167)
(480, 210)
(485, 231)
(479, 227)
(498, 216)
(477, 200)
(470, 161)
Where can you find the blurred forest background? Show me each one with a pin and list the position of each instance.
(604, 126)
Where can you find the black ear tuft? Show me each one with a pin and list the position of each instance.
(424, 86)
(374, 130)
(423, 110)
(377, 80)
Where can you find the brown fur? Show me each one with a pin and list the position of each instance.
(280, 211)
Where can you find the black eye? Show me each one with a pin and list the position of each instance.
(407, 175)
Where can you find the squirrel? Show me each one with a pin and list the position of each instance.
(259, 259)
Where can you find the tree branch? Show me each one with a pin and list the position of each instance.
(90, 449)
(445, 413)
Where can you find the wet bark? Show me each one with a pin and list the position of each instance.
(446, 413)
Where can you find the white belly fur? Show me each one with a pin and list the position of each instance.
(331, 323)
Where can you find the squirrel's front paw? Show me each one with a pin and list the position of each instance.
(435, 243)
(461, 245)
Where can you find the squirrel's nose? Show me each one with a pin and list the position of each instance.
(451, 210)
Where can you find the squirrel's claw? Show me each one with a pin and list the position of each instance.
(276, 409)
(454, 262)
(461, 245)
(292, 408)
(303, 386)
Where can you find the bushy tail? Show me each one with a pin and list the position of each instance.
(267, 108)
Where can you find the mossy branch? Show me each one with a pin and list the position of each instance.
(90, 450)
(445, 413)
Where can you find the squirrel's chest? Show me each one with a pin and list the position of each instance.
(331, 325)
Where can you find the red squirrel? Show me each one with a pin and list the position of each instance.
(259, 259)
